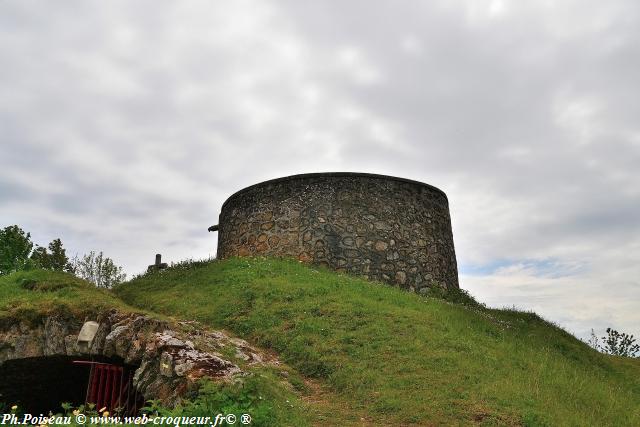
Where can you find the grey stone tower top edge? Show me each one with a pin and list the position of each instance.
(334, 174)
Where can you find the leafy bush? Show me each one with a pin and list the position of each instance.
(615, 343)
(97, 269)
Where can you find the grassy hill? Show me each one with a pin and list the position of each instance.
(383, 356)
(361, 353)
(31, 295)
(28, 297)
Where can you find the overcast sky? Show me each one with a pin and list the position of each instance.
(125, 125)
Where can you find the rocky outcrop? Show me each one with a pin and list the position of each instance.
(170, 359)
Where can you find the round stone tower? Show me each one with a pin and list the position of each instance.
(383, 228)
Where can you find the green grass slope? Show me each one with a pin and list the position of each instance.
(32, 295)
(397, 357)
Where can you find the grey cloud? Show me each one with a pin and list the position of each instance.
(124, 127)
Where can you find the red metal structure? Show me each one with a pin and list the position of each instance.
(111, 386)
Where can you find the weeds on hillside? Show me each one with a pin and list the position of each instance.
(240, 398)
(455, 296)
(184, 265)
(615, 343)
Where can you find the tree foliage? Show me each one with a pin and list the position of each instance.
(15, 247)
(17, 252)
(53, 259)
(97, 269)
(58, 256)
(40, 257)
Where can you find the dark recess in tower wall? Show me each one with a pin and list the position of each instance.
(380, 227)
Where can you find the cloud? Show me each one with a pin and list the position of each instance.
(124, 126)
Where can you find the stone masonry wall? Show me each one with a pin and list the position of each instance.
(383, 228)
(169, 363)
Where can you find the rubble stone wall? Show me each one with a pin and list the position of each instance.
(168, 362)
(380, 227)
